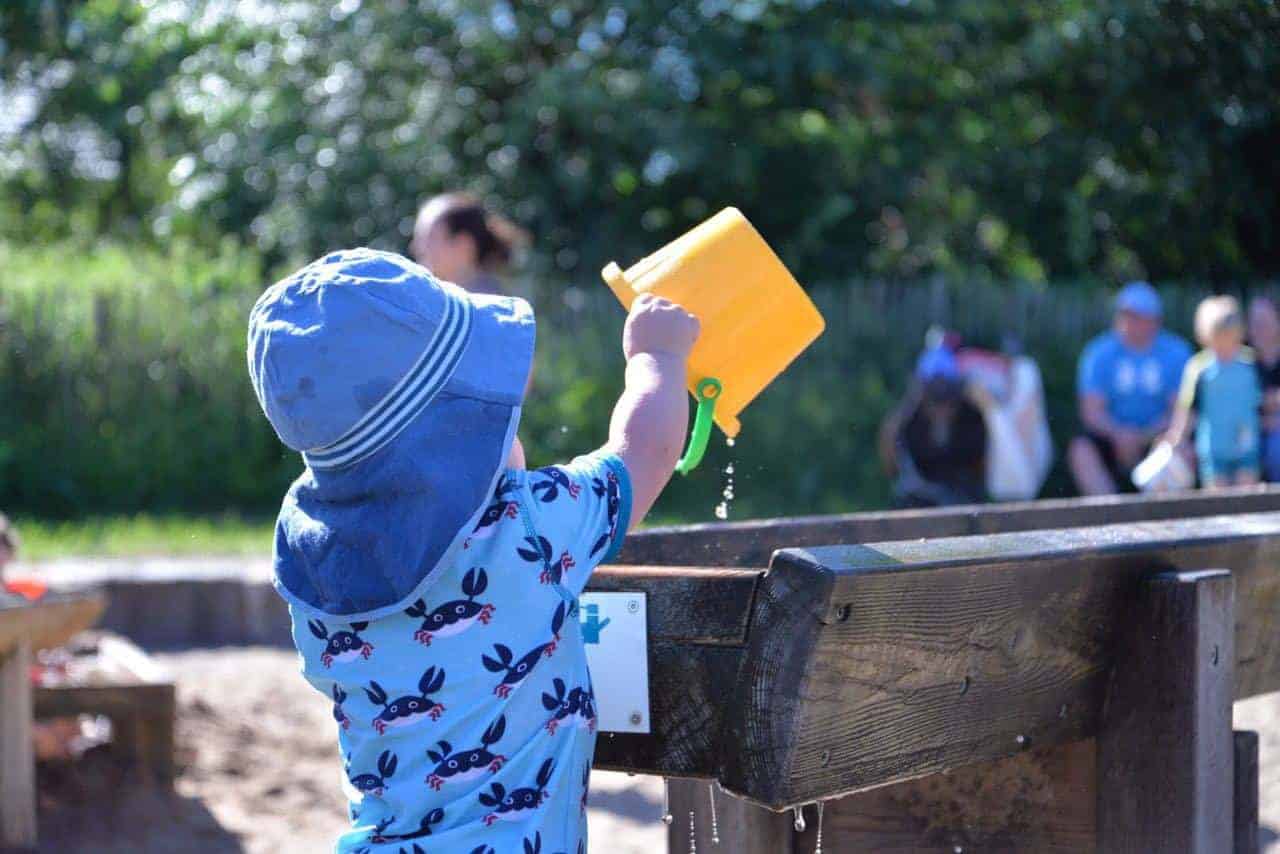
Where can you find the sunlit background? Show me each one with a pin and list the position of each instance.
(995, 167)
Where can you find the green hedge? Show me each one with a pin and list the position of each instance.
(123, 385)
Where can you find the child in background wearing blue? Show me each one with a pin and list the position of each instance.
(1221, 395)
(432, 582)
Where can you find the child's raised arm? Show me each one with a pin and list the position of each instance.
(649, 420)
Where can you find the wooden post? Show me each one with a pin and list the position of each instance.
(17, 761)
(1246, 792)
(1164, 747)
(744, 828)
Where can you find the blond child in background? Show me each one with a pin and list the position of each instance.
(1220, 397)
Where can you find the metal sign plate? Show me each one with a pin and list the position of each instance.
(615, 628)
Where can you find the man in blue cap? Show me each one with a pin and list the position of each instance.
(1127, 383)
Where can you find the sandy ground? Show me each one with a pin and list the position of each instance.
(260, 774)
(1263, 714)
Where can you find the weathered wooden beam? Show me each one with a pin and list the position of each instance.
(688, 687)
(697, 635)
(869, 665)
(750, 543)
(1042, 800)
(17, 761)
(692, 604)
(1164, 745)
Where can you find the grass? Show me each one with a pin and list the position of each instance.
(133, 536)
(147, 535)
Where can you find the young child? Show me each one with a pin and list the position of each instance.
(1221, 394)
(433, 583)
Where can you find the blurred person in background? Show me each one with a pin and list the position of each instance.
(1006, 386)
(1264, 338)
(1220, 399)
(935, 443)
(1127, 382)
(460, 241)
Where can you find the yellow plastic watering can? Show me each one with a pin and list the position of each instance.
(756, 319)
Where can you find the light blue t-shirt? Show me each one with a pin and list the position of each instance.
(467, 721)
(1225, 397)
(1138, 386)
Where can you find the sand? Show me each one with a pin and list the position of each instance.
(260, 774)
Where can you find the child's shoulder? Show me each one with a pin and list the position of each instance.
(564, 516)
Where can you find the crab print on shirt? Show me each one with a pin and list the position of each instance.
(342, 645)
(457, 616)
(466, 715)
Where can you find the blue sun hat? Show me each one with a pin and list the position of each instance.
(402, 393)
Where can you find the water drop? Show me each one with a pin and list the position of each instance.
(728, 469)
(729, 442)
(722, 510)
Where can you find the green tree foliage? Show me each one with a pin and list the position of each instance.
(123, 385)
(1025, 140)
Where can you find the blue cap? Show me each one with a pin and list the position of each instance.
(937, 363)
(1139, 298)
(403, 394)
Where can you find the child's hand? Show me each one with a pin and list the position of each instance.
(658, 326)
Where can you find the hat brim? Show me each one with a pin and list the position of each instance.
(365, 541)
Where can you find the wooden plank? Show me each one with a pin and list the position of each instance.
(1041, 800)
(741, 826)
(1164, 748)
(751, 543)
(1245, 801)
(49, 621)
(869, 665)
(688, 689)
(697, 635)
(17, 760)
(692, 604)
(110, 700)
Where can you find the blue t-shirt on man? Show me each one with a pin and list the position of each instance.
(1138, 385)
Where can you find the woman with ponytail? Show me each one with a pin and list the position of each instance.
(458, 240)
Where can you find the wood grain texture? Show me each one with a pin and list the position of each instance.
(1041, 800)
(697, 634)
(751, 543)
(688, 688)
(868, 665)
(692, 604)
(1245, 800)
(17, 761)
(1164, 745)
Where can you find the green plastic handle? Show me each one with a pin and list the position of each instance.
(708, 391)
